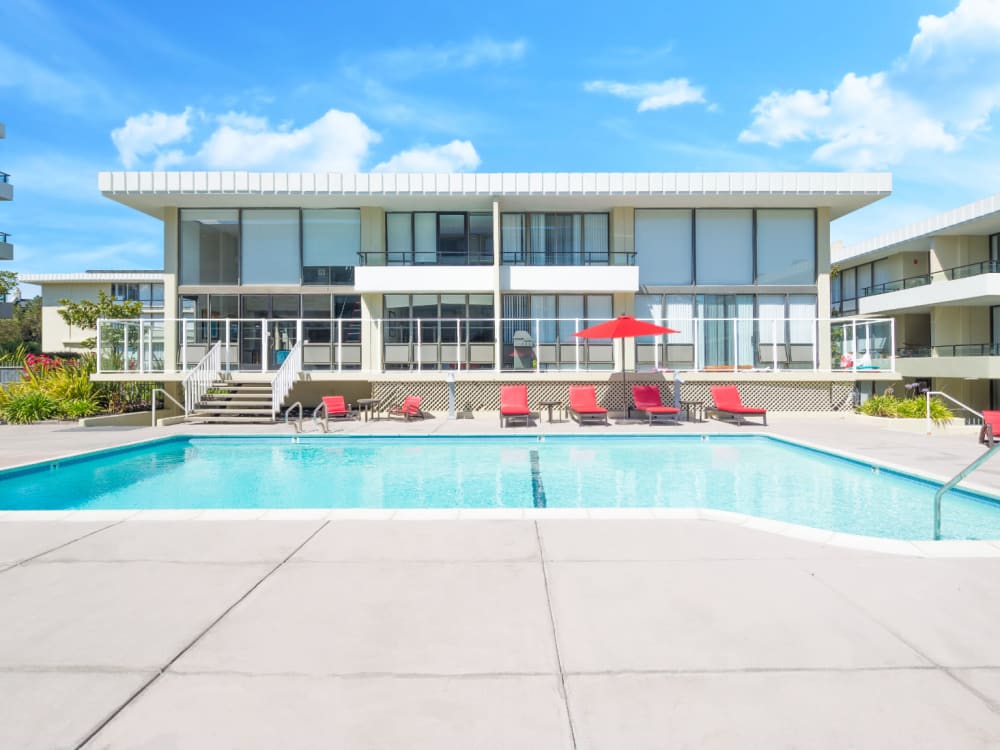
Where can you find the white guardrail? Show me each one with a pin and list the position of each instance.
(197, 382)
(285, 377)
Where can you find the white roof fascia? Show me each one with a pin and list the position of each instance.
(95, 278)
(153, 191)
(883, 243)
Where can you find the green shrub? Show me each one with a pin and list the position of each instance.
(26, 405)
(906, 408)
(76, 408)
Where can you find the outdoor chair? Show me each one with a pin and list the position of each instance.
(729, 405)
(409, 409)
(583, 405)
(989, 433)
(514, 404)
(647, 399)
(336, 408)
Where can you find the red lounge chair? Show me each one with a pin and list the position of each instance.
(409, 410)
(583, 405)
(514, 404)
(647, 399)
(990, 432)
(337, 408)
(729, 404)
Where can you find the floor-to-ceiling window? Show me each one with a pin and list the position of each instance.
(555, 239)
(437, 331)
(538, 331)
(445, 238)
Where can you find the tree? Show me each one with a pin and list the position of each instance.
(25, 327)
(8, 283)
(84, 314)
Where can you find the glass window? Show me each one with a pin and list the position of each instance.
(481, 317)
(663, 246)
(331, 240)
(786, 246)
(452, 249)
(802, 314)
(481, 239)
(209, 246)
(864, 280)
(399, 238)
(848, 283)
(424, 238)
(157, 298)
(256, 305)
(572, 316)
(771, 314)
(724, 246)
(285, 306)
(270, 246)
(513, 238)
(595, 239)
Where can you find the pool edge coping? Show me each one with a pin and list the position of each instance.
(946, 548)
(949, 548)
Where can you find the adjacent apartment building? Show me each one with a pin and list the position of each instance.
(384, 283)
(939, 280)
(58, 335)
(6, 194)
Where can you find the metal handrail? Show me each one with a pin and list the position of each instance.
(954, 481)
(325, 424)
(298, 424)
(200, 378)
(4, 236)
(153, 399)
(284, 379)
(928, 394)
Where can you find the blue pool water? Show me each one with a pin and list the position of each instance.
(756, 475)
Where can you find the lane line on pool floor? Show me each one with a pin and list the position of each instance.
(145, 686)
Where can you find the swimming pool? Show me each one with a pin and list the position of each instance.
(755, 475)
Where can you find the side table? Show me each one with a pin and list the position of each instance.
(694, 411)
(549, 405)
(368, 406)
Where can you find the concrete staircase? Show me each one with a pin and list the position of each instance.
(235, 401)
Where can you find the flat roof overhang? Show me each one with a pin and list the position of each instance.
(980, 218)
(154, 192)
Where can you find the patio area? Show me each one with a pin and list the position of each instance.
(549, 632)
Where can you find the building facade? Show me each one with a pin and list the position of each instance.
(58, 336)
(405, 278)
(939, 279)
(6, 194)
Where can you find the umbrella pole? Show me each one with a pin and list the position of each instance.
(624, 387)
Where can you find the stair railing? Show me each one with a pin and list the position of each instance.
(950, 484)
(201, 377)
(284, 379)
(166, 395)
(959, 404)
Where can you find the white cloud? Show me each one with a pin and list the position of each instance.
(336, 142)
(672, 92)
(456, 156)
(143, 135)
(863, 123)
(411, 61)
(930, 101)
(974, 23)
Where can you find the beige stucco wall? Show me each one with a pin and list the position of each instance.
(960, 325)
(170, 263)
(823, 285)
(57, 334)
(961, 250)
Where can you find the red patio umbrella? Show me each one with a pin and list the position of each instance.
(623, 327)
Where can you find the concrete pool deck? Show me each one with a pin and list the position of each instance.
(532, 633)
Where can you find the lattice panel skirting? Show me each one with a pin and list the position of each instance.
(484, 396)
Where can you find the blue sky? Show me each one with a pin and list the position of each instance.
(908, 86)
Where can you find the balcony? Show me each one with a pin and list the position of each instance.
(6, 189)
(6, 248)
(539, 345)
(977, 284)
(950, 361)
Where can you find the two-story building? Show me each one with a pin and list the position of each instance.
(389, 283)
(138, 286)
(939, 280)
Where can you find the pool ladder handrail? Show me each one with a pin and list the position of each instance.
(152, 398)
(954, 481)
(298, 423)
(325, 424)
